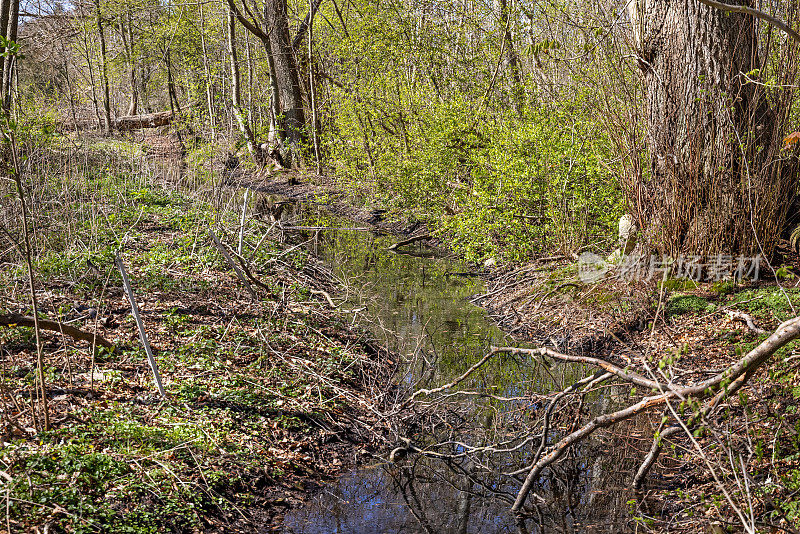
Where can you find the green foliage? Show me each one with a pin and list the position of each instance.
(506, 188)
(683, 304)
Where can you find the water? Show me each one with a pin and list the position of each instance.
(417, 304)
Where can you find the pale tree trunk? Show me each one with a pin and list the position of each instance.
(10, 63)
(241, 119)
(715, 184)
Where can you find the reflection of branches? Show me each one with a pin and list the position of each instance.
(406, 487)
(567, 406)
(717, 388)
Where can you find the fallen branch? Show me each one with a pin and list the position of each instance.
(54, 326)
(718, 387)
(628, 376)
(149, 120)
(140, 325)
(409, 241)
(747, 319)
(653, 454)
(775, 21)
(232, 264)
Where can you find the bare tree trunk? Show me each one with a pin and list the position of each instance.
(104, 68)
(291, 120)
(207, 70)
(88, 58)
(311, 89)
(716, 185)
(244, 126)
(10, 63)
(127, 42)
(174, 106)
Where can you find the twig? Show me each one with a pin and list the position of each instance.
(241, 221)
(232, 264)
(28, 253)
(409, 241)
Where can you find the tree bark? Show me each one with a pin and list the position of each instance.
(9, 65)
(126, 33)
(149, 120)
(287, 96)
(291, 121)
(103, 68)
(715, 184)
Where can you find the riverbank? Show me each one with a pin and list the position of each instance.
(267, 395)
(687, 332)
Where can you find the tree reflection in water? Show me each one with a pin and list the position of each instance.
(437, 497)
(461, 482)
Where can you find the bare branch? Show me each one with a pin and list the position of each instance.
(46, 324)
(778, 23)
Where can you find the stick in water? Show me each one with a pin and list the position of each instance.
(142, 333)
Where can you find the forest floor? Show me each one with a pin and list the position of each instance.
(267, 396)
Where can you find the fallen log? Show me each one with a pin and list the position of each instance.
(148, 120)
(46, 324)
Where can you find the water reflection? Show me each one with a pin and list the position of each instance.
(419, 308)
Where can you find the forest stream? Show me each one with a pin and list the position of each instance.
(417, 303)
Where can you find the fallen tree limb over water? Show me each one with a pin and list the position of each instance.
(712, 390)
(703, 398)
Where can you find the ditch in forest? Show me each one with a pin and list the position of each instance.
(417, 303)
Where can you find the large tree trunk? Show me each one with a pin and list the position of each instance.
(291, 121)
(715, 185)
